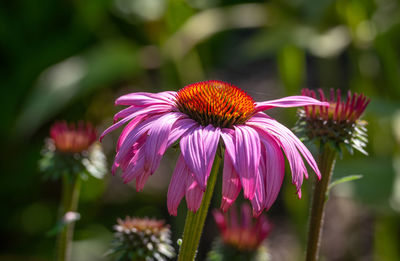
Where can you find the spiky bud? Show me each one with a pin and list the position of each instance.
(138, 239)
(338, 125)
(72, 150)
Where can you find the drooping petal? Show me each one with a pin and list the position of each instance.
(148, 111)
(290, 101)
(259, 195)
(180, 127)
(198, 148)
(295, 160)
(281, 130)
(272, 159)
(156, 143)
(229, 141)
(230, 183)
(192, 149)
(177, 186)
(303, 150)
(130, 158)
(125, 112)
(194, 194)
(247, 144)
(139, 131)
(211, 137)
(141, 180)
(134, 168)
(142, 99)
(128, 128)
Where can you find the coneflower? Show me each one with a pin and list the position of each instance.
(333, 128)
(336, 125)
(203, 116)
(71, 153)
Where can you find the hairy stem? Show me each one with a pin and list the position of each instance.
(326, 163)
(70, 198)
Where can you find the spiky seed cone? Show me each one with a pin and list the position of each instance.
(138, 239)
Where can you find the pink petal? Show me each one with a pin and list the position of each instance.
(134, 168)
(290, 101)
(149, 111)
(142, 99)
(230, 183)
(259, 196)
(128, 128)
(194, 194)
(198, 148)
(125, 112)
(131, 138)
(274, 171)
(180, 127)
(157, 139)
(211, 137)
(130, 158)
(177, 186)
(283, 131)
(117, 125)
(141, 180)
(295, 160)
(247, 144)
(229, 141)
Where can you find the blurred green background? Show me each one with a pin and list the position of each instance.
(71, 59)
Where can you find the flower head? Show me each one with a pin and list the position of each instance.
(200, 115)
(337, 124)
(142, 239)
(72, 149)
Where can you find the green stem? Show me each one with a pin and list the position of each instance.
(195, 221)
(70, 198)
(326, 164)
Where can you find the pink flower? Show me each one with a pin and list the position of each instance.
(199, 115)
(245, 234)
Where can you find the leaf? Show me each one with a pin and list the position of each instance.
(343, 180)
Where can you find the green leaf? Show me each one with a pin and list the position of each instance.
(343, 180)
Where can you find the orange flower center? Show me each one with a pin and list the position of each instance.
(215, 102)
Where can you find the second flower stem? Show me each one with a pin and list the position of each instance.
(195, 221)
(326, 163)
(70, 198)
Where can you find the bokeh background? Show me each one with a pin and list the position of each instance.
(70, 59)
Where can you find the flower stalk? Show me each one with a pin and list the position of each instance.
(326, 164)
(195, 220)
(70, 198)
